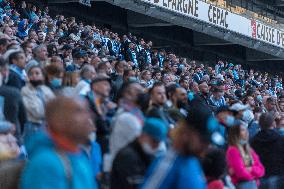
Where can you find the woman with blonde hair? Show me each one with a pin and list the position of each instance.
(244, 165)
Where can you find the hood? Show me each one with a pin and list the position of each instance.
(21, 26)
(39, 141)
(267, 137)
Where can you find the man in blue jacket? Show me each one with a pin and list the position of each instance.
(55, 158)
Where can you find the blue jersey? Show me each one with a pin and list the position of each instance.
(175, 171)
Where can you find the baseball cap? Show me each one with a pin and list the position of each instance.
(156, 128)
(239, 107)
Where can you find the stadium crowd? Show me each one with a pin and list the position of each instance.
(84, 107)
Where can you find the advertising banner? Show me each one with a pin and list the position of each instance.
(219, 17)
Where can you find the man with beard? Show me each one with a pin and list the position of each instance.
(204, 93)
(180, 100)
(158, 100)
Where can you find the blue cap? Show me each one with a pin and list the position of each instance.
(156, 128)
(231, 65)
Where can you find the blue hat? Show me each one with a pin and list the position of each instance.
(156, 128)
(231, 65)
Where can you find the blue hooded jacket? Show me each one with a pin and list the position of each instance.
(22, 32)
(45, 169)
(174, 171)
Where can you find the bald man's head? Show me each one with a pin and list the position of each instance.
(70, 118)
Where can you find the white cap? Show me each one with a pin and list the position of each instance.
(239, 107)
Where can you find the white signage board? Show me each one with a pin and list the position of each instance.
(219, 17)
(85, 2)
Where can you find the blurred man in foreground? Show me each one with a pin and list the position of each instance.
(56, 160)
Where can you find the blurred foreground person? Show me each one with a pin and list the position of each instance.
(180, 167)
(214, 166)
(132, 161)
(56, 160)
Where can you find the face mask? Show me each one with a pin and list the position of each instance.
(259, 98)
(61, 34)
(36, 83)
(56, 82)
(148, 149)
(243, 142)
(92, 137)
(229, 121)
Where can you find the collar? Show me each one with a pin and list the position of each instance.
(62, 142)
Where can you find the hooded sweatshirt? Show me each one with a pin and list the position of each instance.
(269, 145)
(47, 170)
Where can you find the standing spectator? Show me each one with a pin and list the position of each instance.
(4, 42)
(244, 165)
(129, 119)
(270, 105)
(54, 77)
(23, 10)
(87, 73)
(280, 125)
(158, 100)
(17, 77)
(14, 110)
(217, 99)
(269, 145)
(132, 161)
(40, 56)
(100, 106)
(57, 149)
(131, 55)
(35, 96)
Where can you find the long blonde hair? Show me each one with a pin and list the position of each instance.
(234, 140)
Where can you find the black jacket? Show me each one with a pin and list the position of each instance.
(15, 80)
(129, 167)
(14, 109)
(269, 145)
(160, 112)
